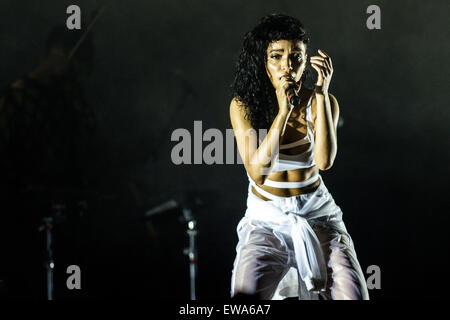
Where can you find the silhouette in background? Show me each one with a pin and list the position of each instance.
(47, 132)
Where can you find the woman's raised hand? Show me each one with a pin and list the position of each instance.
(324, 67)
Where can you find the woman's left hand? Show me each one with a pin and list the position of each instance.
(324, 68)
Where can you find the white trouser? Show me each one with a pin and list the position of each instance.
(296, 246)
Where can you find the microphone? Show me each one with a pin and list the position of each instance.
(293, 98)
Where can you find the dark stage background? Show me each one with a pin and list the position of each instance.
(161, 65)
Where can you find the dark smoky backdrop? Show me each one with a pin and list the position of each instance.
(161, 65)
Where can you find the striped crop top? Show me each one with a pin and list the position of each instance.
(305, 159)
(284, 162)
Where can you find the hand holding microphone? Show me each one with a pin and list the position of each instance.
(292, 96)
(286, 94)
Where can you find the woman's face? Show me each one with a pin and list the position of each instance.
(285, 57)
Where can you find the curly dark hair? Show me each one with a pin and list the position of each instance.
(251, 86)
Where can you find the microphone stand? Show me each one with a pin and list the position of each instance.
(191, 251)
(47, 224)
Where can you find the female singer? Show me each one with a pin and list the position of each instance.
(292, 240)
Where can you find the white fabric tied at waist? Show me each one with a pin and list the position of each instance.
(308, 252)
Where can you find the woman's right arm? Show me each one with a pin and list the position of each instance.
(258, 161)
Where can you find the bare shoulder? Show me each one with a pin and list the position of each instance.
(236, 107)
(237, 115)
(334, 102)
(243, 132)
(334, 109)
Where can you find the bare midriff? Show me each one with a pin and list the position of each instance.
(296, 129)
(290, 176)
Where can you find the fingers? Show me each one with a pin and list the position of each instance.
(319, 62)
(318, 69)
(286, 82)
(322, 75)
(320, 72)
(322, 67)
(324, 57)
(322, 62)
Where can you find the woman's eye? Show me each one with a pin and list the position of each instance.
(277, 56)
(298, 57)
